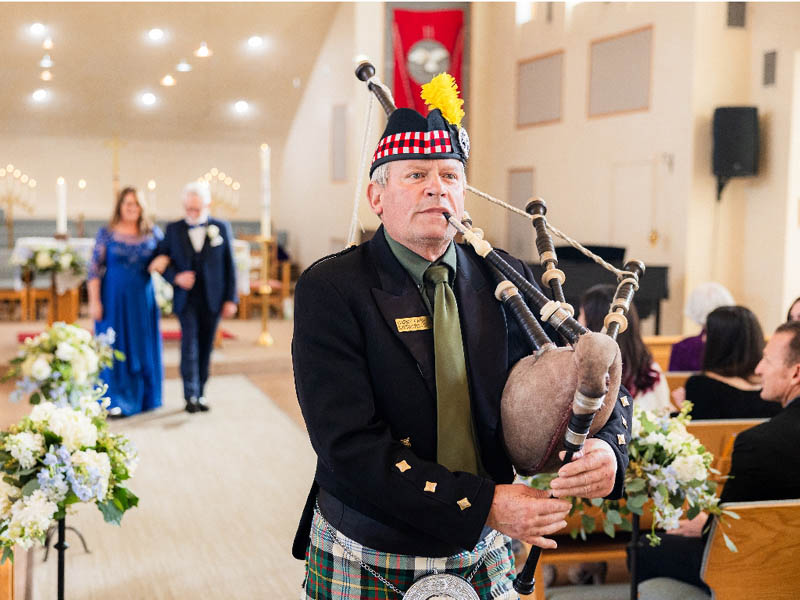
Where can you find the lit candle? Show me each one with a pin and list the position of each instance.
(61, 207)
(266, 197)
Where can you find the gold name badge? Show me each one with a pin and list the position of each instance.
(413, 324)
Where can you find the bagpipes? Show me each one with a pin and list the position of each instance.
(557, 396)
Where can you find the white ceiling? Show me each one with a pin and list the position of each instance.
(102, 63)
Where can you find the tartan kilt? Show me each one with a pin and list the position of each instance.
(330, 575)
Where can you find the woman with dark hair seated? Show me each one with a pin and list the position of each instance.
(728, 388)
(641, 375)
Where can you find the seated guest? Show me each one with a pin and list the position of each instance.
(687, 355)
(641, 375)
(728, 387)
(794, 311)
(765, 464)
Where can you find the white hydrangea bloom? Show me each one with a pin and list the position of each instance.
(65, 260)
(43, 259)
(41, 369)
(40, 415)
(65, 351)
(26, 447)
(89, 406)
(30, 518)
(689, 468)
(8, 493)
(75, 429)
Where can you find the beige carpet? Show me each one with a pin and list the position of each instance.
(220, 493)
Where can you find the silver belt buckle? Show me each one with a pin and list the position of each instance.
(441, 586)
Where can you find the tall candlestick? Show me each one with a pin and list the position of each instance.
(61, 207)
(266, 193)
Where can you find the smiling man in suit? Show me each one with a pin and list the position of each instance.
(401, 353)
(203, 274)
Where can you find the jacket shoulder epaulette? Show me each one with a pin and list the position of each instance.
(335, 255)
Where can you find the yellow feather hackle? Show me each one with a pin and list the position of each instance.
(442, 93)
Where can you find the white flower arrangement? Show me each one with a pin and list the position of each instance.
(56, 457)
(163, 292)
(668, 466)
(46, 260)
(62, 362)
(214, 236)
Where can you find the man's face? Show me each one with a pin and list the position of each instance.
(193, 207)
(777, 377)
(415, 196)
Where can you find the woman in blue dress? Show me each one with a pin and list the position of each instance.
(121, 297)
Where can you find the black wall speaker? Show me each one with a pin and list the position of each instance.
(735, 141)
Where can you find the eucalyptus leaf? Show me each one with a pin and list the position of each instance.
(597, 501)
(613, 517)
(636, 485)
(8, 554)
(30, 487)
(608, 527)
(588, 523)
(111, 513)
(729, 543)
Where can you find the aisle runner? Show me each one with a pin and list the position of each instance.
(220, 497)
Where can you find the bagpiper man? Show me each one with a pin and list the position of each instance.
(400, 354)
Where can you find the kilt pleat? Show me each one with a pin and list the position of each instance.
(332, 575)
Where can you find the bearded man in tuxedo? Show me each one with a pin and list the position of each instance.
(196, 257)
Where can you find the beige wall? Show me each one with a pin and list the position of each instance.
(314, 209)
(771, 242)
(606, 180)
(171, 164)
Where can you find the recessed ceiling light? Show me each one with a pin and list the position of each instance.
(47, 44)
(155, 34)
(46, 62)
(82, 184)
(183, 67)
(203, 51)
(24, 179)
(235, 185)
(151, 185)
(241, 107)
(32, 183)
(40, 95)
(46, 76)
(148, 98)
(255, 41)
(37, 29)
(168, 80)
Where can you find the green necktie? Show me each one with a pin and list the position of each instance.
(456, 448)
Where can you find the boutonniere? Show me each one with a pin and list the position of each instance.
(214, 236)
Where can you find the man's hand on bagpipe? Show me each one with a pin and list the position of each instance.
(527, 514)
(591, 474)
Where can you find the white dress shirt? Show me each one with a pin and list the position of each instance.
(198, 237)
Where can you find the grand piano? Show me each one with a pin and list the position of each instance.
(582, 273)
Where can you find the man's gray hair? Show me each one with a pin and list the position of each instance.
(199, 189)
(381, 174)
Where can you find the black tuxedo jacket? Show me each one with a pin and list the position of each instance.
(765, 464)
(368, 392)
(218, 271)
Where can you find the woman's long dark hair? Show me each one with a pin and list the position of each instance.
(144, 225)
(638, 374)
(734, 342)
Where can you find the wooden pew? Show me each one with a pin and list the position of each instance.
(768, 539)
(660, 347)
(7, 581)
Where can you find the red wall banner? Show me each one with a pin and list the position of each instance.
(425, 43)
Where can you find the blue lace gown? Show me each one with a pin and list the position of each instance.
(130, 308)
